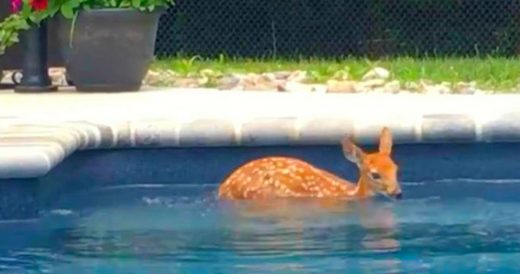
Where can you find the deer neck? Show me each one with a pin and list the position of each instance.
(363, 189)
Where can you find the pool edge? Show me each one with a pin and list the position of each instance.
(32, 144)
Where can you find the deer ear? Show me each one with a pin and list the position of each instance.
(385, 141)
(351, 151)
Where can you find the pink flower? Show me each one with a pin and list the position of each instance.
(16, 5)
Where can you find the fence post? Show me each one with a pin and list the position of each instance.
(35, 72)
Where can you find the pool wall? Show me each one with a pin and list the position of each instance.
(432, 164)
(68, 142)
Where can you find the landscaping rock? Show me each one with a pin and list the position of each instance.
(209, 73)
(58, 76)
(376, 73)
(160, 78)
(6, 77)
(392, 87)
(303, 88)
(269, 76)
(428, 87)
(424, 84)
(376, 80)
(299, 76)
(228, 82)
(151, 77)
(256, 82)
(465, 88)
(319, 88)
(189, 82)
(336, 86)
(412, 86)
(370, 85)
(341, 75)
(443, 88)
(282, 75)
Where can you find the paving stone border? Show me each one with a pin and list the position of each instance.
(37, 132)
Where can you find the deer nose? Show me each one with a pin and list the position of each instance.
(398, 196)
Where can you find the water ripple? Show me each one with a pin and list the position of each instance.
(164, 229)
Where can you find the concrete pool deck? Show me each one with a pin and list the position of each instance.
(38, 131)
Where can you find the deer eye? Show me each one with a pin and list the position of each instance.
(375, 175)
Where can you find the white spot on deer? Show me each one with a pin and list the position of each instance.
(309, 178)
(279, 164)
(270, 167)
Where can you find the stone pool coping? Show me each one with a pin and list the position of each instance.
(38, 131)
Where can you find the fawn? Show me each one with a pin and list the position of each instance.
(286, 177)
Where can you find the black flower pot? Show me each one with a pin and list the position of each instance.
(110, 50)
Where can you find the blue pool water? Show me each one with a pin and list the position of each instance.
(184, 229)
(154, 211)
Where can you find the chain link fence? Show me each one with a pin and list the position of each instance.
(338, 28)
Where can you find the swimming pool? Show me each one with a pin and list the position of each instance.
(154, 211)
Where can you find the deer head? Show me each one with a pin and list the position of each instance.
(378, 172)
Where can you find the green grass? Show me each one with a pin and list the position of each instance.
(499, 74)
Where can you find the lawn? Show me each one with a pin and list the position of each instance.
(490, 73)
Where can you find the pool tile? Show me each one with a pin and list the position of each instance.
(448, 128)
(505, 128)
(24, 162)
(369, 133)
(122, 135)
(269, 131)
(88, 134)
(154, 133)
(55, 150)
(326, 130)
(207, 132)
(67, 140)
(106, 135)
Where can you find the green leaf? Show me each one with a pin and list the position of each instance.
(53, 8)
(32, 17)
(67, 10)
(23, 25)
(136, 3)
(26, 10)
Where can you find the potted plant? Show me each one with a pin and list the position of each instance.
(108, 44)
